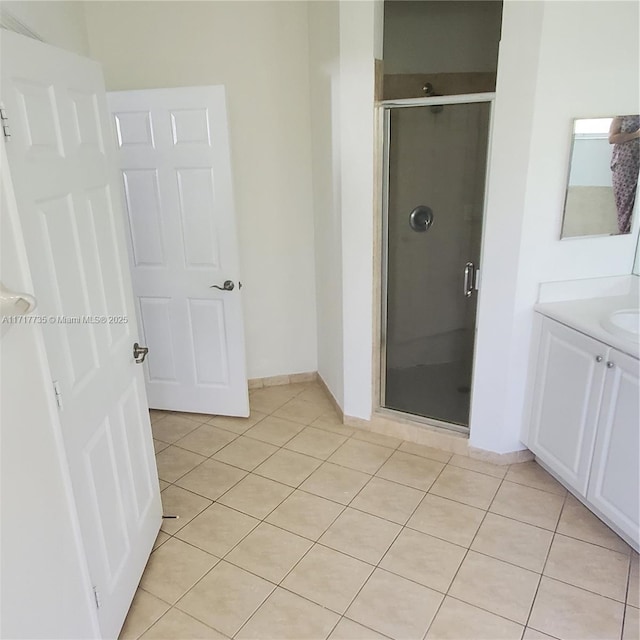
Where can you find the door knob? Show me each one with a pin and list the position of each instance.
(139, 353)
(227, 286)
(421, 218)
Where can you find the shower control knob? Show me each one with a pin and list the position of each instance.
(598, 358)
(610, 364)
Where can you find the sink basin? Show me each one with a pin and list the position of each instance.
(624, 323)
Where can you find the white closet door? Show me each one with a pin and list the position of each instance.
(69, 205)
(174, 157)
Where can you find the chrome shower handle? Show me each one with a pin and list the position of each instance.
(469, 273)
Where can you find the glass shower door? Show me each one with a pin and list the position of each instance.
(436, 159)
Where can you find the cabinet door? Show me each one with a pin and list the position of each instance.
(613, 485)
(566, 398)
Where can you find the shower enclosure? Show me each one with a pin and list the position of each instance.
(435, 157)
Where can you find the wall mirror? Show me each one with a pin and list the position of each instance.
(603, 176)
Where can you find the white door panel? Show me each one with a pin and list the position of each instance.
(67, 195)
(176, 178)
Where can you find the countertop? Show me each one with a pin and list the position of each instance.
(586, 315)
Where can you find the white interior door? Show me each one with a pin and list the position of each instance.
(68, 201)
(176, 175)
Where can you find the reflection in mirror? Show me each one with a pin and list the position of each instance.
(603, 176)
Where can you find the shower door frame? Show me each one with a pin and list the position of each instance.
(383, 124)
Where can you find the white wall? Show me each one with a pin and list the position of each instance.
(441, 37)
(357, 48)
(324, 80)
(60, 23)
(259, 51)
(45, 590)
(551, 55)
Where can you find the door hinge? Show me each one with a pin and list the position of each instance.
(58, 394)
(96, 596)
(4, 119)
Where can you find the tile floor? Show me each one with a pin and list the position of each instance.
(293, 526)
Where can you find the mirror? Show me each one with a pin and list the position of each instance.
(603, 176)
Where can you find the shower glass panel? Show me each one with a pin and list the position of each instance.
(436, 159)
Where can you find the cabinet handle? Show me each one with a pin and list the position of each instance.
(610, 365)
(598, 358)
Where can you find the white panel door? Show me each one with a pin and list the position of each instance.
(615, 474)
(566, 398)
(176, 175)
(69, 204)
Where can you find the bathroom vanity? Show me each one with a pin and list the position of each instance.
(584, 404)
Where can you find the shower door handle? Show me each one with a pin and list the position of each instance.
(469, 279)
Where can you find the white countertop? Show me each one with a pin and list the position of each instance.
(586, 316)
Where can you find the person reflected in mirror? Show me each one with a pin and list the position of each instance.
(624, 135)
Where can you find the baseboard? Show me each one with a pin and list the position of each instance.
(276, 381)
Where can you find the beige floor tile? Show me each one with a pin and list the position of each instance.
(468, 487)
(316, 394)
(465, 462)
(300, 411)
(513, 541)
(360, 535)
(426, 452)
(176, 625)
(332, 422)
(533, 475)
(286, 616)
(578, 522)
(156, 414)
(305, 514)
(631, 627)
(424, 559)
(275, 431)
(588, 566)
(529, 505)
(159, 446)
(211, 479)
(256, 496)
(361, 456)
(461, 621)
(495, 586)
(394, 606)
(163, 484)
(410, 470)
(245, 453)
(218, 529)
(200, 418)
(171, 428)
(144, 611)
(633, 592)
(446, 519)
(534, 634)
(174, 568)
(328, 577)
(269, 552)
(206, 440)
(315, 442)
(238, 425)
(377, 438)
(182, 503)
(161, 538)
(269, 399)
(226, 598)
(174, 462)
(349, 630)
(288, 467)
(336, 483)
(388, 500)
(564, 611)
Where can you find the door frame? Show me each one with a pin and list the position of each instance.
(382, 137)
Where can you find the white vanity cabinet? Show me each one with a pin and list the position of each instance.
(584, 421)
